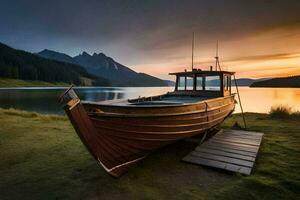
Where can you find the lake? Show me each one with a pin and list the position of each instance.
(45, 99)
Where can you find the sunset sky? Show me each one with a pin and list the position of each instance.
(257, 38)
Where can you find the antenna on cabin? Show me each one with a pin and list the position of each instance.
(193, 41)
(217, 57)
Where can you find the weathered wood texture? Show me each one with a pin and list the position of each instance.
(232, 150)
(119, 133)
(120, 136)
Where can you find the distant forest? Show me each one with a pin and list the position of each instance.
(17, 64)
(286, 82)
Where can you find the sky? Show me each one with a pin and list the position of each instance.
(257, 38)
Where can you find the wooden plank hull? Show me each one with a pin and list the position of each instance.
(118, 137)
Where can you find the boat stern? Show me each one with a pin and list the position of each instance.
(69, 98)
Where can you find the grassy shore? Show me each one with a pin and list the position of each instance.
(42, 158)
(6, 82)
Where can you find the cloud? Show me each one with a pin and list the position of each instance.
(155, 36)
(254, 58)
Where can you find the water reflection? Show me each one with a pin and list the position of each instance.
(100, 94)
(262, 99)
(45, 100)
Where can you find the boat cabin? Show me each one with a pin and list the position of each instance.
(203, 83)
(191, 87)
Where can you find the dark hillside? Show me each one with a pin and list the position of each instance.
(17, 64)
(285, 82)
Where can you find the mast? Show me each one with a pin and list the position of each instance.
(193, 41)
(217, 57)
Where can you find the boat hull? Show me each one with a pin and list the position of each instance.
(120, 136)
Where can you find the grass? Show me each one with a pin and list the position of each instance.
(283, 112)
(5, 82)
(42, 158)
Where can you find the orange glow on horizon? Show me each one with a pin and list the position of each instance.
(271, 53)
(288, 65)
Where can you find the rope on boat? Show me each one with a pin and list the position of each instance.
(237, 89)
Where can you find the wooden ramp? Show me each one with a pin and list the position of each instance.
(232, 150)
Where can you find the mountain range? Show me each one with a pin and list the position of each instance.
(103, 66)
(18, 64)
(243, 81)
(94, 70)
(240, 82)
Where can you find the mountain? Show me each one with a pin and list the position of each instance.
(103, 66)
(53, 55)
(240, 82)
(170, 83)
(17, 64)
(243, 81)
(247, 81)
(285, 82)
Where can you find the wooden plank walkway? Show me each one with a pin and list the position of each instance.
(232, 150)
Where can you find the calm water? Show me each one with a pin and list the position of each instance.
(45, 100)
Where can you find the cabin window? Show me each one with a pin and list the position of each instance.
(199, 83)
(181, 83)
(212, 83)
(229, 83)
(226, 83)
(189, 83)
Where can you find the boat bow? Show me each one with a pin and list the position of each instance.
(103, 149)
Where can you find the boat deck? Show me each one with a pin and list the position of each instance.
(163, 101)
(231, 150)
(171, 100)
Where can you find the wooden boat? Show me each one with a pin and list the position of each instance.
(119, 133)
